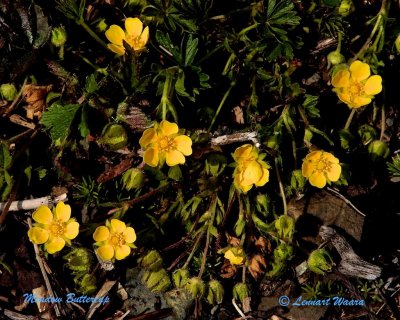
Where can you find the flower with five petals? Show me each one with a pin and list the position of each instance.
(134, 35)
(115, 240)
(163, 144)
(355, 86)
(321, 167)
(53, 229)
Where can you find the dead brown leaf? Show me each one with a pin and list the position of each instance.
(35, 97)
(257, 266)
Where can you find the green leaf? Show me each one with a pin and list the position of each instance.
(5, 157)
(191, 50)
(175, 173)
(165, 41)
(58, 119)
(91, 85)
(310, 106)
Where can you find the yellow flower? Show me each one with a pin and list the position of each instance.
(164, 143)
(250, 168)
(354, 85)
(115, 240)
(321, 167)
(134, 35)
(53, 230)
(235, 255)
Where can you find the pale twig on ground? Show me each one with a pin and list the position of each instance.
(32, 204)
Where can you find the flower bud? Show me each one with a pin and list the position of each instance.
(196, 287)
(262, 203)
(58, 36)
(346, 7)
(240, 291)
(215, 292)
(152, 261)
(284, 226)
(272, 142)
(180, 277)
(334, 58)
(8, 91)
(378, 149)
(156, 281)
(78, 259)
(114, 136)
(132, 179)
(319, 261)
(102, 26)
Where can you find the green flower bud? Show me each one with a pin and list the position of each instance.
(78, 259)
(283, 252)
(284, 226)
(102, 26)
(132, 179)
(114, 136)
(196, 287)
(367, 133)
(156, 281)
(378, 149)
(215, 292)
(180, 277)
(152, 261)
(240, 291)
(262, 203)
(346, 7)
(87, 285)
(320, 261)
(58, 36)
(8, 91)
(272, 142)
(334, 58)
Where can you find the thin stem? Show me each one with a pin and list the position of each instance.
(349, 119)
(92, 34)
(278, 176)
(226, 95)
(249, 28)
(244, 273)
(196, 244)
(383, 123)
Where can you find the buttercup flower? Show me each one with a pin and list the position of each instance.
(115, 240)
(55, 229)
(134, 35)
(354, 85)
(321, 167)
(235, 255)
(250, 168)
(164, 143)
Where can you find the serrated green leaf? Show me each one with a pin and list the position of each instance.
(58, 119)
(191, 50)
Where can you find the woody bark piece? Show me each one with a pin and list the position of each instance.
(351, 264)
(331, 209)
(234, 138)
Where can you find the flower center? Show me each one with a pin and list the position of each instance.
(134, 42)
(323, 165)
(57, 228)
(117, 240)
(356, 89)
(166, 144)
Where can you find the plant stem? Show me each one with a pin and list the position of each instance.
(195, 245)
(349, 119)
(278, 176)
(92, 33)
(247, 29)
(383, 123)
(226, 95)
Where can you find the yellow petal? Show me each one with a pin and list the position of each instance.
(54, 245)
(243, 152)
(341, 79)
(174, 157)
(318, 180)
(373, 85)
(233, 259)
(264, 179)
(38, 235)
(130, 235)
(149, 136)
(133, 27)
(150, 157)
(62, 212)
(359, 71)
(144, 37)
(167, 128)
(345, 97)
(307, 168)
(330, 157)
(120, 50)
(360, 101)
(184, 144)
(43, 215)
(253, 172)
(72, 230)
(334, 173)
(115, 35)
(117, 226)
(105, 252)
(122, 252)
(314, 155)
(101, 233)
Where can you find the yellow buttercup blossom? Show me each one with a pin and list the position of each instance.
(355, 86)
(163, 143)
(115, 240)
(134, 35)
(321, 167)
(250, 168)
(53, 229)
(235, 255)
